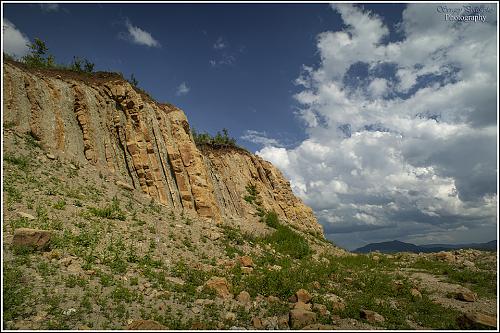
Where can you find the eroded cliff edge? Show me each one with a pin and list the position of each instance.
(101, 120)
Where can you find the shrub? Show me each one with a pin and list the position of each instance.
(219, 140)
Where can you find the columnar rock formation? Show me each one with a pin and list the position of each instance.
(103, 121)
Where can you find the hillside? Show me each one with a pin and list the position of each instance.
(397, 246)
(113, 218)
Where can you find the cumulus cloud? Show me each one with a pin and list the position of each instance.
(15, 43)
(139, 36)
(49, 7)
(182, 89)
(408, 150)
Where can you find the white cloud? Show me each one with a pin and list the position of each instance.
(49, 7)
(138, 36)
(260, 138)
(402, 155)
(220, 44)
(14, 41)
(182, 89)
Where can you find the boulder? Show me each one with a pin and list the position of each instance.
(220, 285)
(318, 327)
(257, 323)
(371, 316)
(415, 293)
(303, 296)
(38, 239)
(26, 215)
(243, 297)
(124, 185)
(321, 309)
(148, 325)
(466, 296)
(477, 321)
(300, 318)
(303, 306)
(246, 261)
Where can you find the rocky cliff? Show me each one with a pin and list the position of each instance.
(102, 121)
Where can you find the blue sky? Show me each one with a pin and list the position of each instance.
(383, 116)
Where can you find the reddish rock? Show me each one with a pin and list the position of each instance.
(300, 318)
(148, 325)
(220, 285)
(303, 296)
(38, 239)
(371, 316)
(246, 261)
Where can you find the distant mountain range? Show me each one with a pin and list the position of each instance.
(397, 246)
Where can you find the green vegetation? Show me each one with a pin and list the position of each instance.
(39, 58)
(480, 281)
(219, 140)
(112, 212)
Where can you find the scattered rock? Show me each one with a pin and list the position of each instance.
(72, 166)
(283, 321)
(257, 323)
(477, 321)
(318, 327)
(175, 280)
(348, 280)
(466, 296)
(272, 299)
(302, 305)
(124, 185)
(371, 316)
(145, 325)
(445, 256)
(230, 316)
(214, 235)
(220, 285)
(338, 306)
(246, 261)
(303, 296)
(39, 239)
(321, 309)
(468, 264)
(300, 318)
(316, 285)
(69, 311)
(292, 299)
(376, 258)
(243, 297)
(246, 270)
(50, 156)
(415, 293)
(26, 215)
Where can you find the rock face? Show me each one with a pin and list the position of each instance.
(103, 121)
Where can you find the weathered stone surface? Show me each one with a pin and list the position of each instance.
(38, 239)
(146, 325)
(415, 293)
(321, 309)
(257, 323)
(466, 296)
(318, 327)
(479, 321)
(300, 318)
(303, 306)
(243, 297)
(26, 215)
(220, 285)
(246, 261)
(124, 185)
(303, 296)
(371, 316)
(108, 124)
